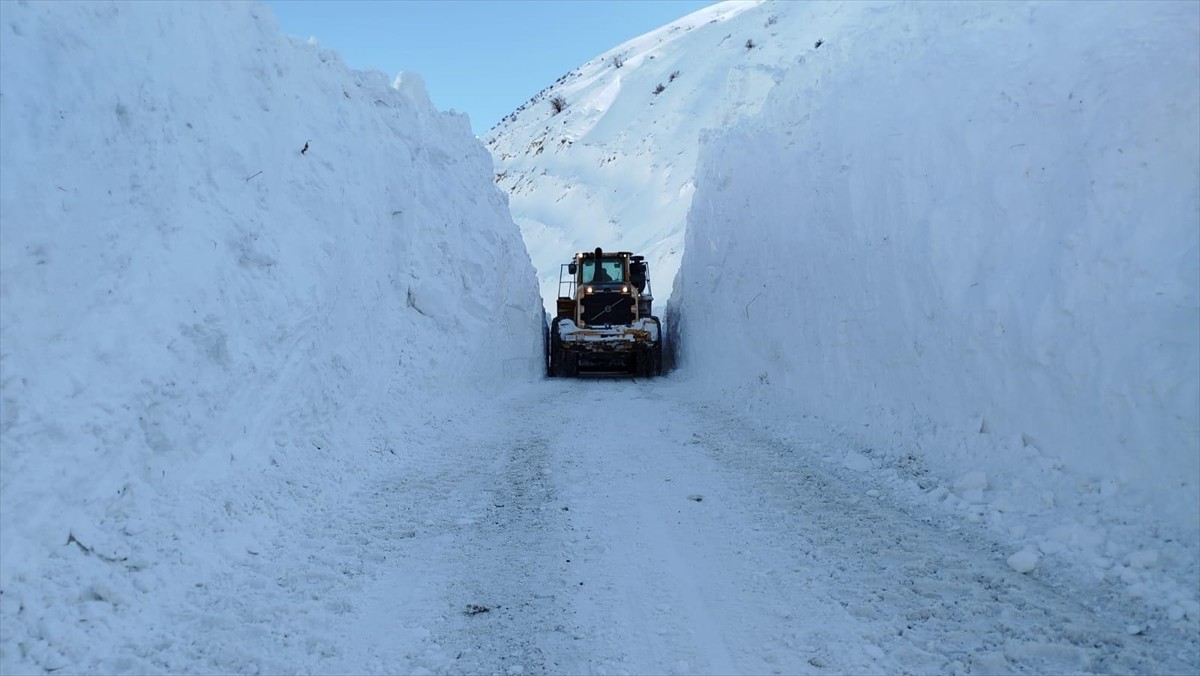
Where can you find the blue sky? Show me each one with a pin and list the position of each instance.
(481, 57)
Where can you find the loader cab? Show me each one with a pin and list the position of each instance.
(592, 276)
(610, 269)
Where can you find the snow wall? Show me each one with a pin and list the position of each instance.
(198, 314)
(968, 235)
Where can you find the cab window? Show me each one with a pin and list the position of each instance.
(610, 271)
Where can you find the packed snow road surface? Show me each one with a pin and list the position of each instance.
(620, 527)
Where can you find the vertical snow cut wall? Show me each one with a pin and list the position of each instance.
(970, 233)
(224, 257)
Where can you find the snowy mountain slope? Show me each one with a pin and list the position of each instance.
(970, 236)
(615, 168)
(229, 267)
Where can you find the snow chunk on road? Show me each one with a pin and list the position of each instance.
(971, 481)
(857, 462)
(970, 486)
(1145, 558)
(1023, 561)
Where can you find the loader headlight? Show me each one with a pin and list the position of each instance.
(588, 290)
(624, 289)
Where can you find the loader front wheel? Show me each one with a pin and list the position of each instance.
(643, 364)
(563, 363)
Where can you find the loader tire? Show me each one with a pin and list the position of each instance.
(643, 364)
(566, 363)
(553, 351)
(563, 363)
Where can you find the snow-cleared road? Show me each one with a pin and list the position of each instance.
(625, 527)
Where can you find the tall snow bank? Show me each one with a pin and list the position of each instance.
(971, 234)
(226, 262)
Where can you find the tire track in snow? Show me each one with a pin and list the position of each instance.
(934, 597)
(680, 577)
(503, 558)
(622, 527)
(700, 542)
(480, 581)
